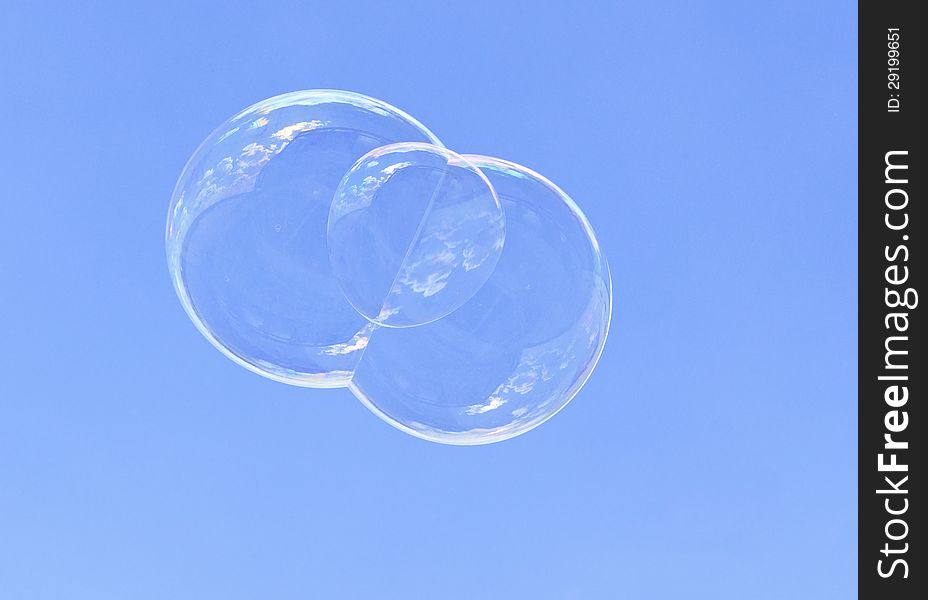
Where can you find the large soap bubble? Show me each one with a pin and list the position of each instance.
(327, 239)
(246, 237)
(518, 351)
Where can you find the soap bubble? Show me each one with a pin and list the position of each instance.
(246, 236)
(414, 231)
(327, 239)
(516, 352)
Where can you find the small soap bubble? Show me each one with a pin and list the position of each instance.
(414, 231)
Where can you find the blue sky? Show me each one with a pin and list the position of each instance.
(711, 455)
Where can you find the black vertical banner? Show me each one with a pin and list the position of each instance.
(893, 374)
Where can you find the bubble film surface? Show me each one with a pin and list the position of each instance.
(327, 239)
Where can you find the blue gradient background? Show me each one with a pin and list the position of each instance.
(711, 455)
